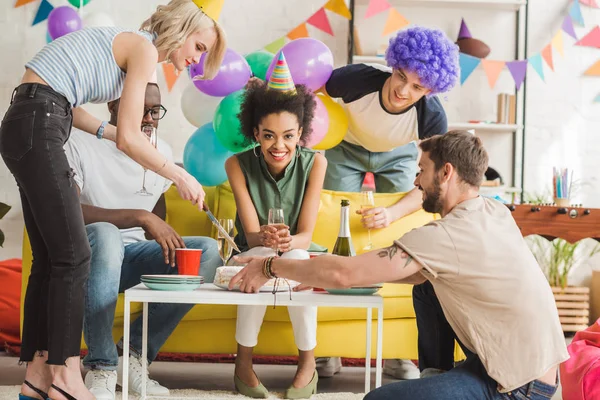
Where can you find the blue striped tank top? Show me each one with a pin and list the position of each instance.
(81, 65)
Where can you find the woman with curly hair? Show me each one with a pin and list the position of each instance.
(390, 109)
(92, 65)
(277, 173)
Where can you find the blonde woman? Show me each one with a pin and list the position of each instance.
(91, 65)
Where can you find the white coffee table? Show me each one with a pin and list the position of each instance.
(210, 294)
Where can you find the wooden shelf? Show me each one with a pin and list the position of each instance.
(509, 5)
(484, 127)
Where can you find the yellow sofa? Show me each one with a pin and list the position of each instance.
(341, 331)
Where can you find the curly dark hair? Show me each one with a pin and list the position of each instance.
(259, 101)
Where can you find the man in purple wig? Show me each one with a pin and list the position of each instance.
(390, 109)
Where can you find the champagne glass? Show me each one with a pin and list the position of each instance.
(151, 135)
(367, 203)
(276, 219)
(223, 245)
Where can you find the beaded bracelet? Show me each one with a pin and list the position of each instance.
(269, 270)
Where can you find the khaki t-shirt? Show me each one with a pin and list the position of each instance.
(492, 290)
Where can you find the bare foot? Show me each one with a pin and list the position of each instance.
(38, 374)
(246, 374)
(304, 375)
(68, 378)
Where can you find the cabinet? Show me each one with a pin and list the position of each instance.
(505, 142)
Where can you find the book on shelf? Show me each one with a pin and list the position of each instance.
(507, 106)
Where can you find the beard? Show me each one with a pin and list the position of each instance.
(432, 202)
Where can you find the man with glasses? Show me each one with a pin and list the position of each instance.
(117, 216)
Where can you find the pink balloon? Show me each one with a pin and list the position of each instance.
(310, 62)
(232, 76)
(320, 124)
(63, 20)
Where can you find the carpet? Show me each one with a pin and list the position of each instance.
(12, 392)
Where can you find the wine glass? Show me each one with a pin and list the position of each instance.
(223, 245)
(367, 203)
(276, 219)
(151, 135)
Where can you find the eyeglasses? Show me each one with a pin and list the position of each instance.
(156, 113)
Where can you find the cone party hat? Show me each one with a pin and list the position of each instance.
(212, 8)
(281, 77)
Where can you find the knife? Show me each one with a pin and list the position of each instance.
(221, 230)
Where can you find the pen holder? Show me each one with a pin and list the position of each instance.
(562, 201)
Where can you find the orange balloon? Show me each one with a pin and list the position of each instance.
(338, 124)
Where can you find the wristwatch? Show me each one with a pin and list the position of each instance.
(100, 131)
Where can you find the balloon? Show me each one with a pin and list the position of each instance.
(198, 108)
(259, 63)
(320, 124)
(77, 3)
(338, 123)
(310, 62)
(97, 19)
(227, 125)
(63, 20)
(232, 76)
(48, 37)
(204, 157)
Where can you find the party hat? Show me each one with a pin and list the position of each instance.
(281, 77)
(464, 31)
(212, 8)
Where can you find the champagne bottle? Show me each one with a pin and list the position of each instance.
(343, 244)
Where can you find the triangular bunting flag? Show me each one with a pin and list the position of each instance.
(517, 69)
(376, 7)
(547, 55)
(597, 99)
(43, 11)
(20, 3)
(557, 43)
(575, 13)
(467, 66)
(395, 22)
(594, 70)
(171, 75)
(589, 3)
(298, 32)
(492, 70)
(274, 47)
(536, 63)
(319, 20)
(339, 7)
(567, 27)
(592, 39)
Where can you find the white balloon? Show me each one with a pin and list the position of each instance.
(198, 108)
(97, 19)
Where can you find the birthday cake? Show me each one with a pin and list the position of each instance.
(224, 275)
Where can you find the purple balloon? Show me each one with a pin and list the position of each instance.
(232, 76)
(63, 20)
(310, 62)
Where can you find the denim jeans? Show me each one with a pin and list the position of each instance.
(467, 381)
(32, 135)
(115, 268)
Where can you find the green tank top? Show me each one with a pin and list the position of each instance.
(286, 193)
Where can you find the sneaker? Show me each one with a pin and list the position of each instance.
(401, 369)
(153, 388)
(102, 384)
(328, 366)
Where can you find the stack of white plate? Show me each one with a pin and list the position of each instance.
(172, 282)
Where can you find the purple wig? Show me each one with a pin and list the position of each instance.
(428, 53)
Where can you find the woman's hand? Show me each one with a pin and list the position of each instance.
(189, 189)
(275, 236)
(376, 218)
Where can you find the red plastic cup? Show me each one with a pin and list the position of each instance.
(188, 261)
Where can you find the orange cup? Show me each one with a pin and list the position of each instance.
(188, 261)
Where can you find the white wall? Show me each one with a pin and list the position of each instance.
(562, 121)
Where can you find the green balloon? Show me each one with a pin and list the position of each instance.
(76, 3)
(227, 125)
(259, 63)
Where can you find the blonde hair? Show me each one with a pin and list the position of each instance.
(175, 22)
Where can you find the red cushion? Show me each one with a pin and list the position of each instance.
(10, 297)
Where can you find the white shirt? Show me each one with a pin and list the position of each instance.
(108, 178)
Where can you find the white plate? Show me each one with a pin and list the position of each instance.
(172, 277)
(281, 288)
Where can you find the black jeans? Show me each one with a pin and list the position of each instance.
(32, 135)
